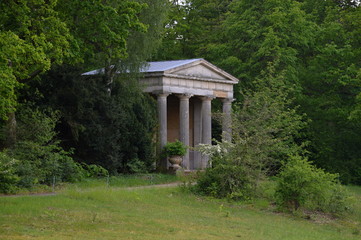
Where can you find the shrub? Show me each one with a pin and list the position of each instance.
(302, 185)
(93, 170)
(135, 165)
(40, 156)
(225, 181)
(41, 163)
(8, 177)
(227, 175)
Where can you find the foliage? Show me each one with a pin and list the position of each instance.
(226, 176)
(316, 47)
(176, 148)
(32, 38)
(100, 29)
(105, 118)
(8, 177)
(192, 25)
(110, 128)
(142, 45)
(93, 170)
(302, 185)
(38, 34)
(136, 165)
(265, 131)
(266, 127)
(40, 157)
(331, 83)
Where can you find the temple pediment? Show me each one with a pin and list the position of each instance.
(199, 71)
(191, 76)
(190, 68)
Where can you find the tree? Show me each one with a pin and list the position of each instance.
(192, 25)
(107, 118)
(32, 37)
(37, 34)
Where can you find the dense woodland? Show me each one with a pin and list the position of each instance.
(298, 61)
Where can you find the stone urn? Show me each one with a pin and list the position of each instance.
(175, 161)
(175, 152)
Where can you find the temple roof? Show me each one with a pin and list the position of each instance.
(162, 66)
(186, 67)
(196, 77)
(150, 67)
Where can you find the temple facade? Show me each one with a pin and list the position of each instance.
(184, 90)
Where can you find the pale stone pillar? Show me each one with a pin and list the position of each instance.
(227, 119)
(184, 125)
(197, 138)
(206, 126)
(162, 117)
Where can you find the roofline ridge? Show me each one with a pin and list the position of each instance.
(177, 60)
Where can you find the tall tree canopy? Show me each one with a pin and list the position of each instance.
(36, 34)
(32, 38)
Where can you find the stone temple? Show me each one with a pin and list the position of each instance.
(184, 90)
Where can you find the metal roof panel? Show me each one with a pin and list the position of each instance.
(166, 65)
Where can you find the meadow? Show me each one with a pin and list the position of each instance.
(99, 210)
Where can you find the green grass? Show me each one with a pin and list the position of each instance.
(164, 213)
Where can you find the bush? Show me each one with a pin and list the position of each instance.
(135, 165)
(40, 156)
(41, 163)
(302, 185)
(8, 177)
(93, 170)
(227, 176)
(225, 181)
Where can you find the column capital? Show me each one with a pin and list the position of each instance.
(162, 94)
(227, 100)
(207, 98)
(184, 96)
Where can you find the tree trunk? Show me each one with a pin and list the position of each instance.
(10, 130)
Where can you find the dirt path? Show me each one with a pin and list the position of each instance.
(30, 194)
(174, 184)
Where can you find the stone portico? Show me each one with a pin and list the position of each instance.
(184, 90)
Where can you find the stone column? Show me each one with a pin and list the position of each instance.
(184, 125)
(206, 126)
(227, 119)
(197, 138)
(162, 117)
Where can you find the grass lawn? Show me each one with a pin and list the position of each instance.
(102, 212)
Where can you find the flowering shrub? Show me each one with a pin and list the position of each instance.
(220, 150)
(227, 176)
